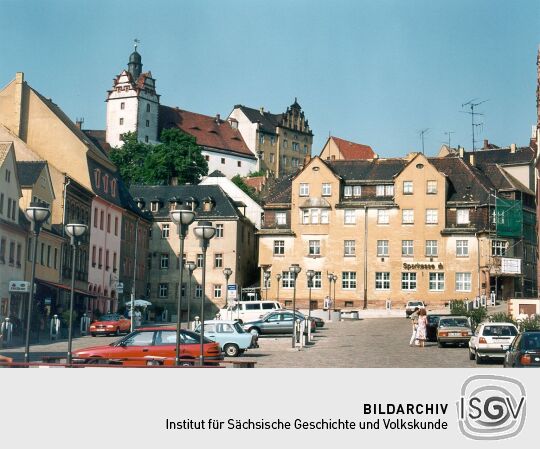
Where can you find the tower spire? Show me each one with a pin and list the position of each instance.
(135, 62)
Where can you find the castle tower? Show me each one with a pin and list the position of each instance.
(133, 104)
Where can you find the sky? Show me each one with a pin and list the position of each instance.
(373, 72)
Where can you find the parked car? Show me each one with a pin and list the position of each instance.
(491, 341)
(432, 325)
(524, 352)
(319, 322)
(279, 322)
(152, 345)
(230, 335)
(453, 330)
(243, 311)
(412, 306)
(110, 324)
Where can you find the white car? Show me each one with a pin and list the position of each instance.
(412, 306)
(491, 340)
(244, 311)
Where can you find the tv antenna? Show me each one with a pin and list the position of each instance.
(473, 104)
(449, 134)
(422, 133)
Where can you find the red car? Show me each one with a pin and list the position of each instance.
(110, 324)
(152, 346)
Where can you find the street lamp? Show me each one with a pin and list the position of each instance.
(278, 277)
(183, 216)
(37, 213)
(267, 276)
(294, 269)
(227, 272)
(190, 265)
(310, 274)
(204, 231)
(75, 232)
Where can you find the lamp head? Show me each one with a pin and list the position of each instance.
(227, 272)
(310, 274)
(75, 229)
(182, 215)
(278, 276)
(204, 230)
(330, 277)
(190, 266)
(37, 212)
(295, 268)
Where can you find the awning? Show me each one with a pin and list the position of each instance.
(65, 287)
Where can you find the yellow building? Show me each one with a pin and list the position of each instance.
(389, 229)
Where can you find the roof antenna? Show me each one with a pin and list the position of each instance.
(422, 133)
(472, 105)
(136, 42)
(449, 134)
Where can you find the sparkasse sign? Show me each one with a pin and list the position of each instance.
(19, 287)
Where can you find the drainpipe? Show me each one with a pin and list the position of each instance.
(365, 255)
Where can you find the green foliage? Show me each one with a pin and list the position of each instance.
(177, 156)
(239, 181)
(529, 324)
(253, 174)
(457, 307)
(501, 317)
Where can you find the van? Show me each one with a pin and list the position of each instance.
(248, 310)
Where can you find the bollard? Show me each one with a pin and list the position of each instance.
(6, 330)
(492, 298)
(388, 304)
(85, 324)
(54, 328)
(196, 322)
(165, 316)
(307, 323)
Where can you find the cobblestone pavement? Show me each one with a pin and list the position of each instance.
(369, 343)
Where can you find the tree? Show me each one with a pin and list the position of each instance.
(177, 157)
(130, 159)
(239, 181)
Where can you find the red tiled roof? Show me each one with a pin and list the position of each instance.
(209, 132)
(257, 182)
(353, 151)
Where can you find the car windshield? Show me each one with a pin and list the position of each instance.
(416, 304)
(110, 317)
(500, 331)
(531, 342)
(453, 322)
(433, 319)
(239, 328)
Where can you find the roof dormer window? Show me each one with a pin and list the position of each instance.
(106, 183)
(97, 177)
(154, 206)
(113, 188)
(208, 204)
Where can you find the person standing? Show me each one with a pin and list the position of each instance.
(422, 327)
(414, 323)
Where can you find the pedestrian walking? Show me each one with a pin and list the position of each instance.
(422, 327)
(414, 323)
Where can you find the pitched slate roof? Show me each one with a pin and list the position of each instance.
(368, 170)
(224, 206)
(352, 150)
(268, 121)
(502, 180)
(502, 156)
(97, 136)
(280, 192)
(29, 171)
(210, 132)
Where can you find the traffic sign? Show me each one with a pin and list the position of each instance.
(232, 291)
(19, 287)
(120, 288)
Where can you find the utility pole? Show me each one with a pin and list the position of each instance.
(449, 134)
(422, 133)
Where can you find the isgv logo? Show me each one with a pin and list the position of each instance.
(491, 407)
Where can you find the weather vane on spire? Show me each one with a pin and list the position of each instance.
(136, 41)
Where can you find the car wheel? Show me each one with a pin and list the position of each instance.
(231, 350)
(254, 331)
(472, 355)
(153, 363)
(187, 363)
(440, 344)
(479, 360)
(93, 334)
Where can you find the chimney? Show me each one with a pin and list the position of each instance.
(486, 144)
(174, 181)
(218, 118)
(261, 110)
(512, 148)
(461, 152)
(471, 159)
(79, 122)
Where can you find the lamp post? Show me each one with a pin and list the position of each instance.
(37, 213)
(183, 216)
(334, 278)
(330, 279)
(190, 265)
(75, 232)
(204, 232)
(310, 274)
(278, 277)
(294, 269)
(267, 276)
(227, 272)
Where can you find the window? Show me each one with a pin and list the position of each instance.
(122, 105)
(95, 217)
(349, 248)
(165, 229)
(101, 219)
(55, 258)
(432, 216)
(163, 290)
(94, 256)
(1, 203)
(285, 143)
(48, 254)
(109, 223)
(121, 120)
(3, 250)
(408, 281)
(114, 262)
(347, 191)
(206, 158)
(272, 158)
(115, 225)
(382, 248)
(316, 282)
(432, 248)
(219, 230)
(281, 218)
(407, 187)
(113, 188)
(463, 282)
(305, 216)
(407, 248)
(239, 163)
(325, 216)
(431, 187)
(272, 140)
(382, 280)
(279, 247)
(304, 189)
(164, 261)
(357, 190)
(218, 260)
(382, 216)
(148, 108)
(217, 290)
(436, 282)
(407, 216)
(326, 189)
(154, 206)
(462, 248)
(348, 280)
(147, 123)
(223, 160)
(41, 253)
(463, 216)
(97, 177)
(384, 190)
(350, 216)
(498, 247)
(261, 138)
(287, 280)
(146, 139)
(198, 291)
(199, 260)
(314, 247)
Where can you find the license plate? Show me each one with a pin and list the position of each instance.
(455, 334)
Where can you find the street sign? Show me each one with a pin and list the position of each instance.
(19, 287)
(120, 288)
(232, 291)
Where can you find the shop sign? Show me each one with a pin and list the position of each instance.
(423, 266)
(19, 287)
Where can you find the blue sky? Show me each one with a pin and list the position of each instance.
(375, 72)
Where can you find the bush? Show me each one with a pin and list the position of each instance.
(477, 316)
(501, 317)
(529, 324)
(457, 307)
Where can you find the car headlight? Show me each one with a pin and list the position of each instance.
(110, 325)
